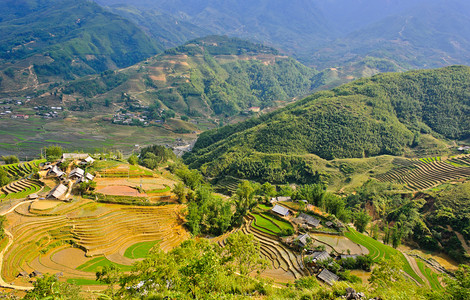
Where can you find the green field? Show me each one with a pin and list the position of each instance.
(430, 275)
(166, 189)
(269, 224)
(83, 281)
(139, 250)
(98, 262)
(378, 250)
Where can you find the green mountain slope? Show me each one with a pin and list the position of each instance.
(382, 115)
(63, 39)
(206, 77)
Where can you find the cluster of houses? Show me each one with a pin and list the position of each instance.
(76, 176)
(308, 222)
(130, 119)
(47, 112)
(463, 148)
(7, 109)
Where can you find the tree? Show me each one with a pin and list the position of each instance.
(4, 177)
(10, 159)
(361, 220)
(133, 160)
(54, 152)
(243, 250)
(86, 187)
(110, 276)
(245, 193)
(49, 287)
(459, 287)
(180, 191)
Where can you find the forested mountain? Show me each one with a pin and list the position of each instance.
(205, 77)
(293, 25)
(164, 28)
(381, 115)
(412, 34)
(63, 39)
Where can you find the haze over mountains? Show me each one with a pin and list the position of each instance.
(413, 34)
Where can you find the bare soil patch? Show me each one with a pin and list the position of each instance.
(161, 77)
(44, 204)
(120, 190)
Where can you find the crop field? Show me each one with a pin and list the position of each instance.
(79, 237)
(24, 186)
(139, 250)
(279, 257)
(378, 250)
(430, 275)
(427, 173)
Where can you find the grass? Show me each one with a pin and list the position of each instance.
(264, 207)
(139, 250)
(378, 250)
(83, 281)
(97, 263)
(431, 276)
(166, 189)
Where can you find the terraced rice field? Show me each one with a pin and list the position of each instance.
(430, 275)
(378, 250)
(104, 231)
(268, 224)
(20, 189)
(22, 169)
(23, 187)
(227, 185)
(285, 265)
(426, 173)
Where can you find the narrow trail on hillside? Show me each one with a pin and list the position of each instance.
(463, 241)
(10, 242)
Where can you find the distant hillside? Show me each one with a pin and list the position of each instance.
(164, 28)
(427, 35)
(382, 115)
(213, 76)
(42, 41)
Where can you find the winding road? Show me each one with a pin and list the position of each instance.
(10, 241)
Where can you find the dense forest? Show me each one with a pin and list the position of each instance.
(381, 115)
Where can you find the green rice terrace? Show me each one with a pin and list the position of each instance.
(25, 185)
(426, 173)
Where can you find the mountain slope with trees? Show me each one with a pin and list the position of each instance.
(385, 114)
(64, 39)
(205, 77)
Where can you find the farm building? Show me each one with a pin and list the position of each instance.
(77, 173)
(328, 277)
(317, 256)
(33, 196)
(35, 273)
(87, 161)
(346, 256)
(302, 240)
(58, 192)
(280, 210)
(86, 178)
(279, 199)
(55, 171)
(309, 220)
(81, 156)
(23, 274)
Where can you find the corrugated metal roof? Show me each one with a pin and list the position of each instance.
(58, 191)
(312, 221)
(75, 155)
(280, 210)
(318, 256)
(77, 172)
(328, 277)
(302, 239)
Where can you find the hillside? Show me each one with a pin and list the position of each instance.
(386, 114)
(43, 41)
(212, 76)
(425, 35)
